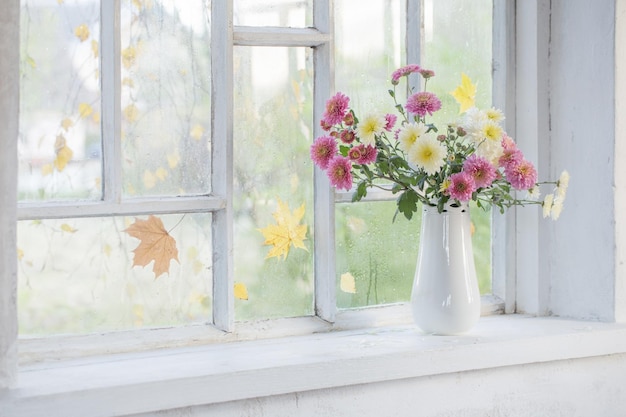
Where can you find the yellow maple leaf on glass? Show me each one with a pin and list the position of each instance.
(67, 228)
(286, 232)
(84, 110)
(173, 159)
(155, 244)
(241, 291)
(347, 283)
(465, 93)
(67, 123)
(196, 132)
(47, 169)
(149, 179)
(82, 32)
(128, 82)
(128, 57)
(131, 113)
(94, 48)
(161, 173)
(63, 152)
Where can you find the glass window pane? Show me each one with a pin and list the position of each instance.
(166, 98)
(273, 181)
(376, 256)
(79, 275)
(369, 46)
(59, 124)
(457, 39)
(285, 13)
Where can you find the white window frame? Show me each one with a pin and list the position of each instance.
(224, 36)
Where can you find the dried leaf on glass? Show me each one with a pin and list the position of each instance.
(155, 244)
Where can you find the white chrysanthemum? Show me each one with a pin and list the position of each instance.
(534, 193)
(473, 121)
(563, 182)
(495, 115)
(428, 154)
(369, 127)
(557, 206)
(490, 150)
(547, 205)
(409, 134)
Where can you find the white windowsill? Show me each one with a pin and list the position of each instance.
(172, 378)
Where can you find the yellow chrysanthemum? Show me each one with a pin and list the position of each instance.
(428, 154)
(369, 127)
(492, 131)
(444, 185)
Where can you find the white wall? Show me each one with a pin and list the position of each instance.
(581, 249)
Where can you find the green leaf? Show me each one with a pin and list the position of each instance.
(407, 203)
(360, 192)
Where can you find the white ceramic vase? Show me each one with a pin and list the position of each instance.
(445, 299)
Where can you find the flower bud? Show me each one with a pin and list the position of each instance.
(348, 119)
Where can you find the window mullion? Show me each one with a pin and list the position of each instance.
(222, 157)
(135, 206)
(325, 295)
(110, 77)
(503, 226)
(414, 24)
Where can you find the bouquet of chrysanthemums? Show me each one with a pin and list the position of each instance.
(471, 158)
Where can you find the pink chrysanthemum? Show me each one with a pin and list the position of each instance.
(422, 103)
(480, 169)
(403, 71)
(368, 154)
(390, 120)
(461, 186)
(510, 158)
(508, 143)
(522, 176)
(511, 155)
(323, 150)
(355, 153)
(336, 109)
(362, 154)
(347, 136)
(339, 172)
(325, 126)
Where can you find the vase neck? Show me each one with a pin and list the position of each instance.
(462, 207)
